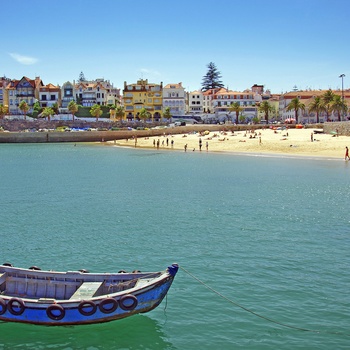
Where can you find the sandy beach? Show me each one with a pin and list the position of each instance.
(292, 142)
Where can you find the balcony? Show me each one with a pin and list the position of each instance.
(24, 95)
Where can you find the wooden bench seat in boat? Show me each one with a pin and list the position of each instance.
(86, 291)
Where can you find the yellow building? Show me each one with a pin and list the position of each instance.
(143, 95)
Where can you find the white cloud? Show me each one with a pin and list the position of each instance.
(149, 72)
(23, 59)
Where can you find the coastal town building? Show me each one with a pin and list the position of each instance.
(99, 91)
(195, 102)
(306, 97)
(3, 96)
(49, 95)
(174, 97)
(208, 100)
(223, 98)
(24, 89)
(143, 94)
(67, 95)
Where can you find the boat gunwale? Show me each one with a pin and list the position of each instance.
(135, 290)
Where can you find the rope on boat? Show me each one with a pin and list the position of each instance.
(255, 313)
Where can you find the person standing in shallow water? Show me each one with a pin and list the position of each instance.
(347, 153)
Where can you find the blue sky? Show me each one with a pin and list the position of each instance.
(278, 44)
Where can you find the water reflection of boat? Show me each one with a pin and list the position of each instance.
(112, 335)
(79, 297)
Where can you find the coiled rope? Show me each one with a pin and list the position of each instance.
(255, 313)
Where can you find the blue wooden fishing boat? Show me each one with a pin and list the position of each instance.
(79, 297)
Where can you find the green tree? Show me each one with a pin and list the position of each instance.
(37, 109)
(81, 77)
(242, 118)
(73, 108)
(327, 101)
(112, 112)
(316, 106)
(297, 106)
(96, 111)
(235, 107)
(2, 111)
(255, 120)
(24, 107)
(144, 114)
(55, 108)
(339, 106)
(265, 107)
(47, 112)
(119, 112)
(212, 79)
(166, 114)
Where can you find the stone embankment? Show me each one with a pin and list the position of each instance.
(342, 128)
(19, 131)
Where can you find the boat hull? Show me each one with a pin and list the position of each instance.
(141, 298)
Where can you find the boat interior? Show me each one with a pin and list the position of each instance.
(67, 285)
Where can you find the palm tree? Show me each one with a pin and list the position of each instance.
(327, 100)
(143, 114)
(316, 106)
(24, 107)
(235, 107)
(2, 111)
(338, 106)
(47, 112)
(112, 109)
(55, 108)
(73, 108)
(119, 112)
(296, 105)
(265, 107)
(96, 111)
(167, 115)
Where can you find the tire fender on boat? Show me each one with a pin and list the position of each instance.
(87, 304)
(12, 307)
(107, 301)
(56, 312)
(128, 302)
(3, 306)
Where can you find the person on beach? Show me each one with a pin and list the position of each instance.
(172, 143)
(207, 145)
(185, 147)
(158, 144)
(200, 144)
(312, 137)
(347, 153)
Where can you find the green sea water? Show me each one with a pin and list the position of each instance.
(263, 242)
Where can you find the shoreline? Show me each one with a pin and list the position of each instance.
(296, 143)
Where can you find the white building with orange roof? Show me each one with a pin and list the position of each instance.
(195, 102)
(223, 98)
(99, 91)
(307, 97)
(174, 97)
(208, 100)
(49, 95)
